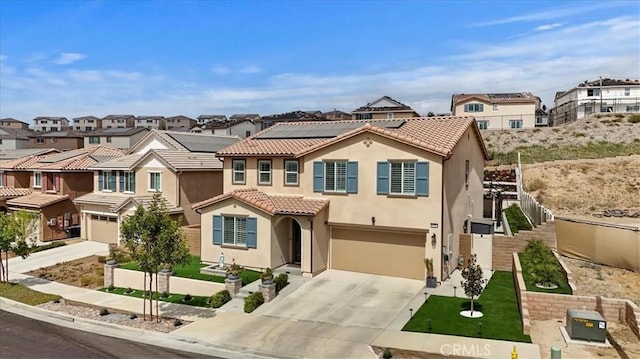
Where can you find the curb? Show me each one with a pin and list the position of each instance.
(165, 340)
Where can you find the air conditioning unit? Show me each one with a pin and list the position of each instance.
(52, 221)
(586, 325)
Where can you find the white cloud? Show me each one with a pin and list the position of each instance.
(548, 26)
(250, 69)
(67, 58)
(85, 75)
(220, 70)
(125, 75)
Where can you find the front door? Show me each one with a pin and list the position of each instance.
(296, 235)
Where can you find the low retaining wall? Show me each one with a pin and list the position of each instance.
(126, 278)
(544, 306)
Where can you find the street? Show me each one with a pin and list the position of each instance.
(22, 337)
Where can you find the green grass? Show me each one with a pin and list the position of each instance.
(192, 270)
(537, 153)
(22, 294)
(498, 303)
(47, 246)
(517, 220)
(563, 287)
(197, 301)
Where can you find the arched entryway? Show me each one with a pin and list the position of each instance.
(288, 240)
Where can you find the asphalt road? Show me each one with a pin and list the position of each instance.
(22, 337)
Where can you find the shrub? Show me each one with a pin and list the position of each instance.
(539, 261)
(111, 288)
(221, 298)
(253, 301)
(517, 219)
(164, 295)
(281, 281)
(36, 249)
(133, 316)
(129, 290)
(188, 297)
(634, 119)
(535, 184)
(177, 323)
(86, 280)
(104, 311)
(387, 354)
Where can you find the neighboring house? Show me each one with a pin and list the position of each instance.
(383, 108)
(13, 154)
(87, 123)
(204, 119)
(55, 181)
(118, 121)
(498, 111)
(375, 197)
(181, 166)
(294, 116)
(602, 95)
(337, 115)
(15, 179)
(13, 138)
(542, 117)
(44, 124)
(244, 116)
(62, 140)
(150, 122)
(123, 138)
(13, 123)
(239, 128)
(179, 123)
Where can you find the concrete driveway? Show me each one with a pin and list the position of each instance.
(347, 299)
(57, 255)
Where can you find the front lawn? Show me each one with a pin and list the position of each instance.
(498, 303)
(563, 286)
(198, 301)
(22, 294)
(192, 271)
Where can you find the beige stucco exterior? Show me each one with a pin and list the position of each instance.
(498, 116)
(386, 115)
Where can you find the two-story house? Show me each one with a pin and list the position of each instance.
(87, 123)
(293, 116)
(383, 108)
(55, 181)
(62, 140)
(179, 123)
(203, 119)
(44, 123)
(240, 128)
(118, 121)
(150, 122)
(337, 115)
(244, 116)
(181, 166)
(498, 111)
(601, 95)
(13, 123)
(14, 178)
(123, 138)
(375, 196)
(14, 138)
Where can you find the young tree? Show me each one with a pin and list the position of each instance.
(473, 280)
(154, 240)
(14, 230)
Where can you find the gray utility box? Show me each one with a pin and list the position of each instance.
(586, 325)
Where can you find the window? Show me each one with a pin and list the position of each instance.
(107, 181)
(515, 123)
(37, 180)
(247, 134)
(94, 140)
(473, 107)
(266, 124)
(0, 141)
(1, 179)
(55, 122)
(364, 116)
(291, 173)
(593, 92)
(390, 116)
(483, 125)
(238, 171)
(264, 172)
(108, 139)
(44, 129)
(40, 140)
(335, 179)
(234, 231)
(402, 178)
(635, 108)
(627, 91)
(495, 106)
(127, 181)
(88, 128)
(154, 181)
(466, 174)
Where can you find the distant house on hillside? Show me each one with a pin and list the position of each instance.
(150, 122)
(383, 108)
(239, 128)
(44, 123)
(337, 115)
(13, 123)
(203, 119)
(122, 138)
(86, 123)
(293, 116)
(61, 140)
(601, 95)
(245, 116)
(179, 123)
(14, 138)
(118, 121)
(498, 111)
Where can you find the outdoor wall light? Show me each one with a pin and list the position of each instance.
(411, 312)
(433, 239)
(373, 221)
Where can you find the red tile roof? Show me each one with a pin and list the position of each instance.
(12, 192)
(37, 200)
(76, 160)
(438, 135)
(272, 204)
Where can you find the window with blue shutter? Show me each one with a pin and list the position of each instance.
(217, 229)
(121, 181)
(252, 235)
(422, 179)
(318, 176)
(352, 177)
(100, 181)
(382, 183)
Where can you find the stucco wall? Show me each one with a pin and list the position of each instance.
(321, 238)
(61, 143)
(50, 233)
(18, 179)
(499, 118)
(196, 187)
(167, 180)
(76, 184)
(282, 243)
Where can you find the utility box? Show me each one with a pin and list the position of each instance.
(586, 325)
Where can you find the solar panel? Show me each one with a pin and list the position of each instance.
(203, 143)
(323, 130)
(117, 130)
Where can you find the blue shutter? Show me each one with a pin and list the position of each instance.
(100, 181)
(383, 178)
(112, 180)
(352, 177)
(217, 229)
(121, 181)
(318, 176)
(252, 236)
(422, 178)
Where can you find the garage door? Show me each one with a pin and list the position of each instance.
(375, 252)
(103, 229)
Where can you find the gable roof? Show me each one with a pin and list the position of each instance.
(371, 106)
(20, 163)
(172, 159)
(240, 116)
(14, 133)
(490, 98)
(37, 200)
(12, 192)
(117, 201)
(53, 118)
(188, 141)
(13, 154)
(610, 82)
(336, 112)
(117, 117)
(82, 118)
(271, 204)
(223, 124)
(437, 135)
(115, 132)
(11, 119)
(180, 117)
(212, 117)
(75, 160)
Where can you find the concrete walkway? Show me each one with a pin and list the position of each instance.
(452, 287)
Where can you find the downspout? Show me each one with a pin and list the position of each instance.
(311, 245)
(442, 201)
(178, 196)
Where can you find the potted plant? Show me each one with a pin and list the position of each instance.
(267, 276)
(432, 282)
(234, 270)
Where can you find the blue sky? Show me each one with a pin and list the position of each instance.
(77, 58)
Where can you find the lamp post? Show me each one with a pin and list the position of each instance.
(426, 296)
(411, 312)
